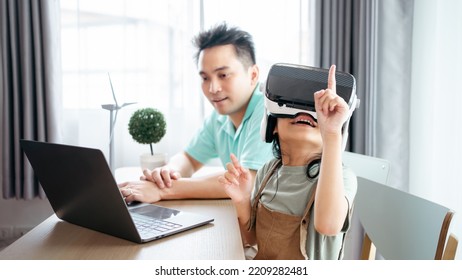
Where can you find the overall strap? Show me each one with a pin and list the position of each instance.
(309, 206)
(268, 175)
(305, 222)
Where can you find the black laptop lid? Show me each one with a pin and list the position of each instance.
(64, 172)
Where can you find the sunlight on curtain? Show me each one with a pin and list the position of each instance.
(146, 47)
(436, 130)
(279, 28)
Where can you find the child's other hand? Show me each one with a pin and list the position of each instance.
(331, 109)
(236, 181)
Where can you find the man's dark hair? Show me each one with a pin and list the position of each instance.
(220, 35)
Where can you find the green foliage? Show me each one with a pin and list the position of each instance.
(147, 126)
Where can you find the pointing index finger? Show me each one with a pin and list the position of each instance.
(331, 83)
(234, 160)
(239, 169)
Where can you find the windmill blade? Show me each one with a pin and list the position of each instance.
(126, 104)
(112, 89)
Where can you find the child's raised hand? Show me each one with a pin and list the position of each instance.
(236, 181)
(331, 109)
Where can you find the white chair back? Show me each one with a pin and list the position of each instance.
(372, 168)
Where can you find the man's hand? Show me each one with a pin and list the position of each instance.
(161, 176)
(142, 191)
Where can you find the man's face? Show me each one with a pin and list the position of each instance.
(226, 82)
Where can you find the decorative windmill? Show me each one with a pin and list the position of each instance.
(113, 110)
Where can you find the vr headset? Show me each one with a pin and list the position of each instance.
(290, 89)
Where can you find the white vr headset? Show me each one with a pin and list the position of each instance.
(290, 89)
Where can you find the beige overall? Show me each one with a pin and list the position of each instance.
(280, 236)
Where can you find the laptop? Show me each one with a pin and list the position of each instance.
(82, 190)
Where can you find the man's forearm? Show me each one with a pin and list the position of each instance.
(183, 164)
(202, 187)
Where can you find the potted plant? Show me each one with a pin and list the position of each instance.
(148, 126)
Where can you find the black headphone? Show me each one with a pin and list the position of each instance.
(268, 125)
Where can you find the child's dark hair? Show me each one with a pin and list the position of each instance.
(220, 35)
(311, 172)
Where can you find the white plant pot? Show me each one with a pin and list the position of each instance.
(152, 161)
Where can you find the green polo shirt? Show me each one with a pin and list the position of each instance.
(219, 138)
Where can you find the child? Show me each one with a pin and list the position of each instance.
(301, 204)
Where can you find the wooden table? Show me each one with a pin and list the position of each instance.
(56, 239)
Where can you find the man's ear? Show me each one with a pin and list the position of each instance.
(254, 73)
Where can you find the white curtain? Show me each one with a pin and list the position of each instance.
(435, 113)
(279, 28)
(145, 47)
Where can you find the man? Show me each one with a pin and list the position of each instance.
(226, 62)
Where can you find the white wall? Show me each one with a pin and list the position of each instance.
(436, 133)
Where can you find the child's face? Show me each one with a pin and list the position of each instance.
(303, 130)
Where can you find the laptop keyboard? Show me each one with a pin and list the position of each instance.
(146, 224)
